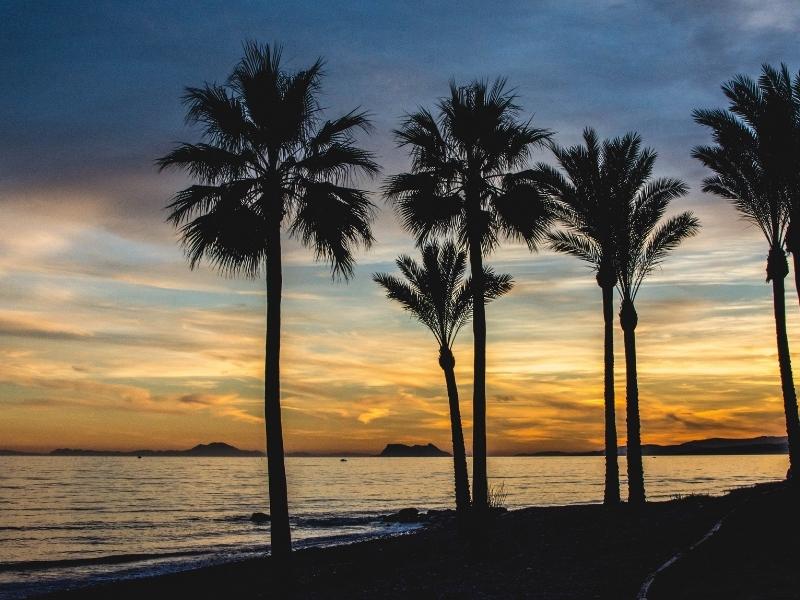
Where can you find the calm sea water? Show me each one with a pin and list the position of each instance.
(71, 521)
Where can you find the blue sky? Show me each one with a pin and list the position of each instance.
(107, 339)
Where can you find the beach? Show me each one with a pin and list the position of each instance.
(586, 551)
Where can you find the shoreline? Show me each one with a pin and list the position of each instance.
(572, 551)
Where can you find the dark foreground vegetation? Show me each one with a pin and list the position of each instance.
(555, 552)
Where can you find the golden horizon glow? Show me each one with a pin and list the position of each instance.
(109, 341)
(118, 345)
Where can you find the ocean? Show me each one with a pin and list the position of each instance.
(72, 521)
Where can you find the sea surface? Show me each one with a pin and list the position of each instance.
(72, 521)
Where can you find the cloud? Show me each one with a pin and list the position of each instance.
(103, 325)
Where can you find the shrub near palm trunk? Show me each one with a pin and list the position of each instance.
(462, 182)
(748, 173)
(436, 294)
(268, 161)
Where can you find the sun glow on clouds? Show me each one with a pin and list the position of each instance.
(108, 340)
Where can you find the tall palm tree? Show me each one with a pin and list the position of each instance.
(267, 160)
(589, 193)
(436, 294)
(462, 182)
(745, 173)
(643, 242)
(771, 108)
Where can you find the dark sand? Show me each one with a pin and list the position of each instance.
(554, 553)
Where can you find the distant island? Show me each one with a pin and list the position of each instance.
(764, 444)
(214, 449)
(415, 450)
(712, 446)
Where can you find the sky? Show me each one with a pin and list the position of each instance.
(109, 340)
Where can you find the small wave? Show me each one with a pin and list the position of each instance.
(338, 521)
(114, 559)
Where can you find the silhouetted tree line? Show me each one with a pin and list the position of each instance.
(269, 162)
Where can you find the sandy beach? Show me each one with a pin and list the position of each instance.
(555, 552)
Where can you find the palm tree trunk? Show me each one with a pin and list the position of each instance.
(480, 485)
(629, 320)
(796, 266)
(611, 494)
(793, 247)
(280, 538)
(777, 269)
(448, 362)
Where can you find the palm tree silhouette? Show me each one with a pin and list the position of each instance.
(589, 193)
(436, 294)
(267, 160)
(461, 182)
(771, 108)
(643, 242)
(750, 175)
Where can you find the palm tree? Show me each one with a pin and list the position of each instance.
(266, 159)
(436, 294)
(643, 242)
(589, 193)
(771, 108)
(745, 173)
(462, 182)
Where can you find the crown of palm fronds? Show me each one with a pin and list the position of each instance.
(468, 150)
(643, 241)
(267, 155)
(435, 291)
(756, 152)
(610, 207)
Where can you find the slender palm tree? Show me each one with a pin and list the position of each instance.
(771, 108)
(643, 242)
(437, 295)
(268, 160)
(589, 194)
(745, 174)
(462, 182)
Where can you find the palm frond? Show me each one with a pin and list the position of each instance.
(222, 115)
(523, 212)
(230, 236)
(580, 246)
(665, 238)
(207, 163)
(410, 300)
(422, 210)
(333, 221)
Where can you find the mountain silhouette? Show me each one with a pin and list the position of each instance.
(214, 449)
(415, 450)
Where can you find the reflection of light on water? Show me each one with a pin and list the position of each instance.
(58, 508)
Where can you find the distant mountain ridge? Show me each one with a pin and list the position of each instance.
(416, 450)
(765, 444)
(711, 446)
(214, 449)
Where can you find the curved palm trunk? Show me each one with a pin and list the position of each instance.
(629, 320)
(448, 362)
(280, 538)
(777, 269)
(611, 494)
(480, 485)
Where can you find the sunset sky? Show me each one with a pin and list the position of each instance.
(108, 340)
